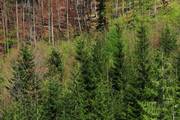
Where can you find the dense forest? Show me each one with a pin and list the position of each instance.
(89, 60)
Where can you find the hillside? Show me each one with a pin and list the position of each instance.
(89, 60)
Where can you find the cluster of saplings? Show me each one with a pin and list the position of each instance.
(107, 83)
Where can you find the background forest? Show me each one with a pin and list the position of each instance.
(89, 60)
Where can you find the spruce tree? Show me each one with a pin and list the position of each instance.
(137, 86)
(87, 83)
(53, 99)
(52, 107)
(167, 89)
(90, 89)
(116, 73)
(161, 93)
(25, 88)
(84, 85)
(142, 60)
(116, 76)
(101, 23)
(150, 106)
(103, 91)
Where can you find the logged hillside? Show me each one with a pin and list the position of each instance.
(89, 60)
(51, 20)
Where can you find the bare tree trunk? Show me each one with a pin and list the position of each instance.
(23, 18)
(52, 25)
(155, 7)
(67, 18)
(49, 20)
(42, 17)
(59, 13)
(17, 24)
(78, 17)
(29, 20)
(5, 26)
(3, 21)
(123, 6)
(34, 24)
(117, 6)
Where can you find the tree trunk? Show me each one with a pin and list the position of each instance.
(67, 18)
(52, 25)
(59, 13)
(17, 24)
(49, 20)
(78, 16)
(34, 24)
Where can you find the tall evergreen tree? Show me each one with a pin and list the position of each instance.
(102, 100)
(84, 85)
(161, 93)
(25, 88)
(87, 83)
(137, 86)
(142, 60)
(52, 107)
(90, 89)
(151, 106)
(116, 73)
(167, 89)
(116, 76)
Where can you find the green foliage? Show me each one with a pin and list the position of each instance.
(55, 64)
(110, 79)
(167, 89)
(103, 100)
(161, 102)
(84, 85)
(52, 102)
(150, 105)
(177, 108)
(90, 88)
(168, 41)
(25, 88)
(53, 97)
(9, 43)
(1, 96)
(142, 60)
(116, 73)
(117, 76)
(138, 85)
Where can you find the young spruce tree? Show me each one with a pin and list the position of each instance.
(103, 99)
(84, 85)
(161, 93)
(117, 78)
(167, 89)
(90, 89)
(53, 109)
(138, 85)
(25, 88)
